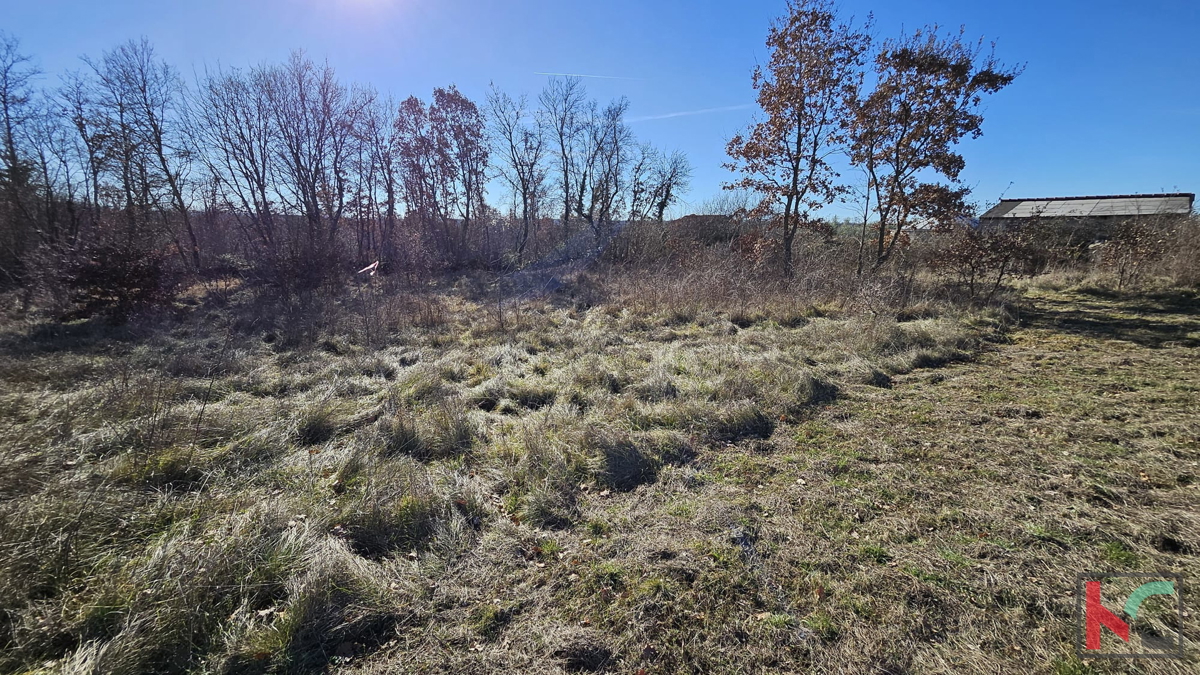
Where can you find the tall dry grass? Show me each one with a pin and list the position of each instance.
(447, 478)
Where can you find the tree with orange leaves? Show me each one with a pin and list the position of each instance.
(806, 91)
(927, 93)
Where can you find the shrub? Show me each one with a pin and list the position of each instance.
(1133, 246)
(117, 280)
(1181, 263)
(981, 259)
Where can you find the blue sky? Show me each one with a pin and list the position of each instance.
(1109, 101)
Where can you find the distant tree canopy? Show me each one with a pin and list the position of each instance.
(895, 110)
(298, 175)
(291, 177)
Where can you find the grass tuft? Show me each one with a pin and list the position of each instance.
(316, 424)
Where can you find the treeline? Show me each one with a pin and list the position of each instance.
(125, 180)
(126, 176)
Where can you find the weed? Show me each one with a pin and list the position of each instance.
(1118, 553)
(875, 553)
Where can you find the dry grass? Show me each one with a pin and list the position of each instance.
(607, 483)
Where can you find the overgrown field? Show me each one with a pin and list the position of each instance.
(594, 489)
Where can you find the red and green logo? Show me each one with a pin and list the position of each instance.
(1149, 625)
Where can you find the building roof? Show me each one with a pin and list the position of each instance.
(1092, 207)
(933, 224)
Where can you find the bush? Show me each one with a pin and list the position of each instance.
(1134, 245)
(1181, 263)
(298, 270)
(981, 259)
(117, 280)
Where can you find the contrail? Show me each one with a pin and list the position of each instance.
(598, 77)
(685, 113)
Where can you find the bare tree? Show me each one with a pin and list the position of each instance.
(563, 101)
(315, 117)
(522, 149)
(604, 153)
(300, 167)
(643, 182)
(234, 135)
(149, 92)
(61, 184)
(287, 147)
(75, 98)
(16, 109)
(379, 145)
(672, 180)
(111, 116)
(656, 182)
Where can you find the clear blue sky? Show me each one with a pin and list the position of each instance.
(1109, 102)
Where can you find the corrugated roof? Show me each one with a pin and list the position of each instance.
(1092, 207)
